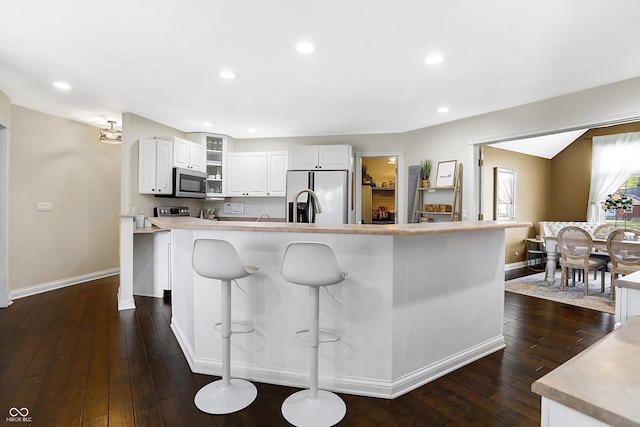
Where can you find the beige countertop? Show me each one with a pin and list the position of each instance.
(603, 381)
(631, 281)
(287, 227)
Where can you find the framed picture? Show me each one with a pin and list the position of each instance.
(446, 174)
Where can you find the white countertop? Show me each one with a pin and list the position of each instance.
(287, 227)
(603, 381)
(631, 281)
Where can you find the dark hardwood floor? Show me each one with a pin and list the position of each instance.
(72, 359)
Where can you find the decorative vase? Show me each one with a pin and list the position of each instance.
(425, 184)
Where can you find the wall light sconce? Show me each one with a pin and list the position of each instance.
(111, 135)
(392, 160)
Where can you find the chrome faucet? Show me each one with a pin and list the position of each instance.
(264, 215)
(316, 203)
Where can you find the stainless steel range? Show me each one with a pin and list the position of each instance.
(171, 211)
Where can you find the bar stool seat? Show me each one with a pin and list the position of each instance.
(313, 264)
(218, 259)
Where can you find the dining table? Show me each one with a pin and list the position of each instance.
(553, 253)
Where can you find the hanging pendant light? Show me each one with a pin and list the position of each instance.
(111, 135)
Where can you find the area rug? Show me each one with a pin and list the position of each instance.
(536, 286)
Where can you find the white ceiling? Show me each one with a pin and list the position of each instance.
(161, 58)
(546, 146)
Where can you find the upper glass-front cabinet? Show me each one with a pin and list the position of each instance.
(215, 157)
(216, 147)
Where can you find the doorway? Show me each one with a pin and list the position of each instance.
(379, 188)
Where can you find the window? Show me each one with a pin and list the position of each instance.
(630, 218)
(504, 194)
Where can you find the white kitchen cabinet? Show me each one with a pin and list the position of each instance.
(277, 173)
(189, 154)
(315, 157)
(215, 147)
(247, 174)
(155, 166)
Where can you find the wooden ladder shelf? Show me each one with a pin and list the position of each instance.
(456, 207)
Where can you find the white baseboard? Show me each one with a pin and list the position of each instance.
(57, 284)
(515, 265)
(342, 384)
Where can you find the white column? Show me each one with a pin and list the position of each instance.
(5, 300)
(125, 292)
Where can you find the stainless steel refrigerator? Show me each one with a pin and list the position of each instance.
(331, 188)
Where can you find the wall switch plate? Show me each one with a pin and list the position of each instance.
(44, 206)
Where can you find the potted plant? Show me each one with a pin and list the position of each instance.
(425, 171)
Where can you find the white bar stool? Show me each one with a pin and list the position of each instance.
(218, 259)
(313, 264)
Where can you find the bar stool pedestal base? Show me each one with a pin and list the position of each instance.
(303, 411)
(220, 398)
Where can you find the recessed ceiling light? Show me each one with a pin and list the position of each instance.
(252, 130)
(62, 85)
(304, 47)
(443, 110)
(226, 74)
(207, 124)
(434, 59)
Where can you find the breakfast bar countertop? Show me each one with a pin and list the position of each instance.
(603, 381)
(288, 227)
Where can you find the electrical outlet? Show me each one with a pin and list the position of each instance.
(44, 206)
(233, 208)
(246, 209)
(516, 253)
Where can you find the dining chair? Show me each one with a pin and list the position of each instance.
(575, 246)
(623, 245)
(602, 231)
(599, 236)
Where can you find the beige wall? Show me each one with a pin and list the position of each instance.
(60, 161)
(571, 177)
(533, 192)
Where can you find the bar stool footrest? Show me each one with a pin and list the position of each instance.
(323, 336)
(237, 328)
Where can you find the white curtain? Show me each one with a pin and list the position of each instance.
(506, 194)
(614, 158)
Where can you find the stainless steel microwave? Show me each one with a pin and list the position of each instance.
(189, 183)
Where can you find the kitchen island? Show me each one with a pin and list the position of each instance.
(421, 300)
(598, 387)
